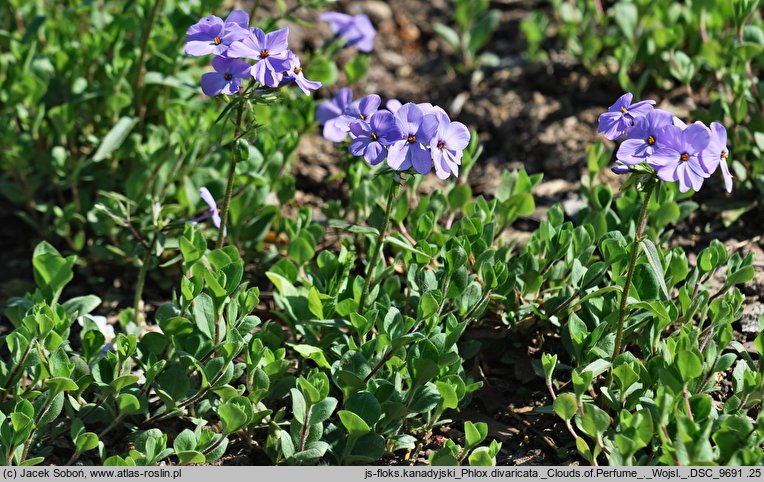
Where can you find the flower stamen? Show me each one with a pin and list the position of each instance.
(297, 70)
(684, 157)
(361, 116)
(723, 155)
(650, 140)
(441, 144)
(264, 53)
(227, 76)
(217, 40)
(623, 110)
(411, 139)
(373, 136)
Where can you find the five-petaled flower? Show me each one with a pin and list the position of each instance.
(620, 116)
(294, 73)
(677, 157)
(411, 151)
(227, 76)
(329, 112)
(356, 29)
(211, 35)
(269, 50)
(447, 146)
(371, 138)
(716, 154)
(641, 139)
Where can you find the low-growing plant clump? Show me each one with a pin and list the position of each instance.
(338, 334)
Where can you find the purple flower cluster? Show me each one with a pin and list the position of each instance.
(357, 30)
(409, 136)
(233, 39)
(687, 154)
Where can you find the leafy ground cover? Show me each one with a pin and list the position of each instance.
(345, 305)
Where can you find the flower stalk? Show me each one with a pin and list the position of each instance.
(641, 223)
(391, 195)
(231, 176)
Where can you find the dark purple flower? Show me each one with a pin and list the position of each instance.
(370, 138)
(677, 155)
(447, 146)
(357, 30)
(620, 168)
(269, 50)
(641, 139)
(211, 35)
(411, 151)
(213, 212)
(621, 116)
(227, 76)
(716, 154)
(329, 111)
(295, 74)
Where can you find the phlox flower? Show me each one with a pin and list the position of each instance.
(447, 146)
(716, 154)
(211, 35)
(677, 155)
(641, 139)
(371, 138)
(329, 111)
(295, 73)
(227, 76)
(621, 116)
(356, 29)
(418, 128)
(393, 105)
(213, 211)
(269, 50)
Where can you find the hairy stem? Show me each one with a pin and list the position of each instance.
(231, 176)
(142, 58)
(641, 223)
(378, 245)
(138, 316)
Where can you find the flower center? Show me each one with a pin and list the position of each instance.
(684, 157)
(297, 70)
(264, 53)
(361, 116)
(227, 76)
(723, 155)
(650, 140)
(216, 40)
(441, 144)
(623, 110)
(373, 136)
(411, 138)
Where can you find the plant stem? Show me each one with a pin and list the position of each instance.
(231, 176)
(641, 223)
(137, 316)
(139, 111)
(378, 246)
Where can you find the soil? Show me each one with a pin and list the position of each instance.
(537, 117)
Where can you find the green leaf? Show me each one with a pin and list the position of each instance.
(322, 410)
(314, 303)
(474, 433)
(483, 30)
(115, 138)
(356, 68)
(86, 441)
(626, 16)
(312, 353)
(565, 406)
(232, 417)
(481, 457)
(354, 424)
(690, 365)
(128, 404)
(190, 457)
(655, 263)
(204, 315)
(449, 35)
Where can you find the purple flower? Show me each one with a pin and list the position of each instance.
(370, 138)
(227, 76)
(447, 146)
(295, 73)
(677, 155)
(328, 113)
(337, 128)
(716, 154)
(620, 168)
(357, 30)
(211, 35)
(269, 50)
(213, 211)
(621, 116)
(411, 151)
(641, 139)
